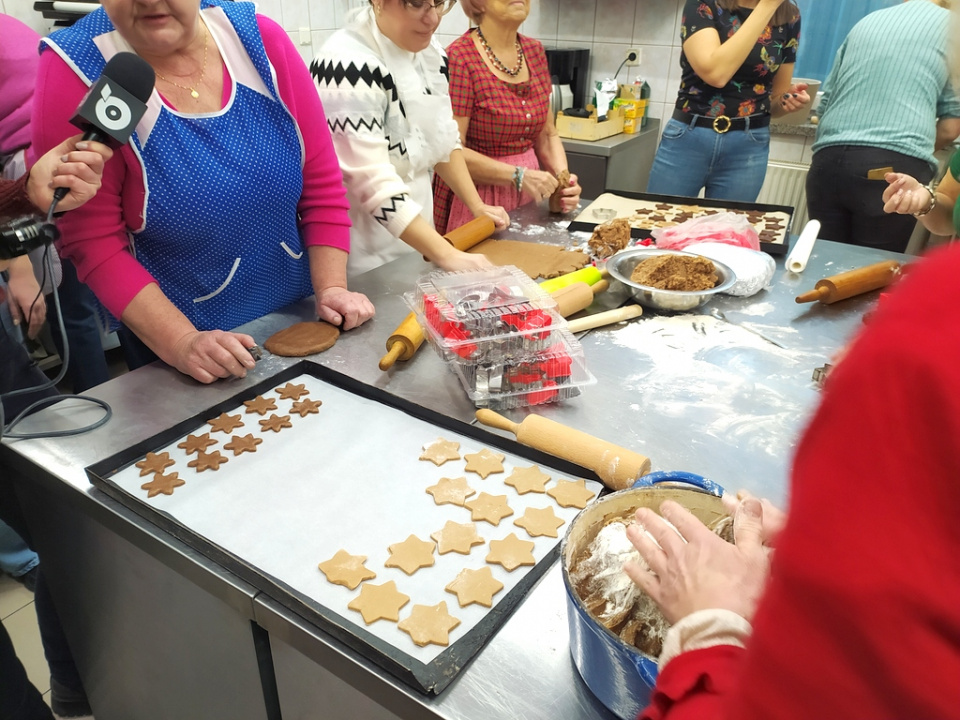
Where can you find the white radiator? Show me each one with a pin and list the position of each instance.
(786, 184)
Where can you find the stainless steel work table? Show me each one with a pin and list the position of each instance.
(161, 632)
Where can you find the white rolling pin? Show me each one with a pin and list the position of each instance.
(797, 259)
(75, 7)
(609, 317)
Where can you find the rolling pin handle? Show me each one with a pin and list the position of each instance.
(496, 420)
(599, 286)
(813, 295)
(388, 360)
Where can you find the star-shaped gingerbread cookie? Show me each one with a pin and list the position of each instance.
(475, 586)
(529, 479)
(207, 461)
(292, 392)
(260, 405)
(457, 537)
(379, 602)
(571, 493)
(155, 463)
(197, 443)
(306, 407)
(539, 522)
(162, 484)
(440, 450)
(451, 491)
(346, 569)
(276, 423)
(411, 555)
(492, 508)
(243, 443)
(429, 624)
(511, 552)
(484, 463)
(225, 423)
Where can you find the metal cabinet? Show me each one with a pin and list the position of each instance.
(618, 163)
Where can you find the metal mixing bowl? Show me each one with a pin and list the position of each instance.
(621, 267)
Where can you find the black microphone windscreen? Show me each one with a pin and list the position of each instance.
(132, 73)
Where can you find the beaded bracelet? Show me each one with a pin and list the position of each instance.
(518, 178)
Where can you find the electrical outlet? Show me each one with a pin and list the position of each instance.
(304, 36)
(634, 57)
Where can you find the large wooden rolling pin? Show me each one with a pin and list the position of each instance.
(853, 282)
(618, 467)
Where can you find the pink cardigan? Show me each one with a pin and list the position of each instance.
(95, 235)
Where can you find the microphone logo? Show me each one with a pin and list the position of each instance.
(112, 112)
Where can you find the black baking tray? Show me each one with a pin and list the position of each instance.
(777, 249)
(431, 678)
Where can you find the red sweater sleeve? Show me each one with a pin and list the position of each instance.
(13, 198)
(95, 235)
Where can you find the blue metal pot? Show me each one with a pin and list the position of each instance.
(617, 673)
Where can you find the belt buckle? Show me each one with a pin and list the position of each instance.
(716, 120)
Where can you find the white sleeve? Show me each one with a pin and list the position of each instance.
(703, 629)
(356, 95)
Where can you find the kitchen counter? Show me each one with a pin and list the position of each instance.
(805, 130)
(160, 631)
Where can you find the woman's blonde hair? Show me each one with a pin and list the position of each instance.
(787, 12)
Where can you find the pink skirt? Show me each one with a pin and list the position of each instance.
(449, 212)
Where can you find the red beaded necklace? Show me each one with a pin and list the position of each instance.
(497, 62)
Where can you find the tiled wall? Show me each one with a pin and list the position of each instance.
(607, 27)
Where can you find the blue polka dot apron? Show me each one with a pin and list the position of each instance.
(220, 228)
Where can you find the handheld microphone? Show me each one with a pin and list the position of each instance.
(114, 104)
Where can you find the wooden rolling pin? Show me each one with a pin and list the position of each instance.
(471, 233)
(577, 296)
(853, 282)
(618, 467)
(627, 312)
(403, 343)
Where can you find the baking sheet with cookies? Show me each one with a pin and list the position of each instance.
(646, 211)
(310, 468)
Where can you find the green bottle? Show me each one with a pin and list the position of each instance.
(645, 96)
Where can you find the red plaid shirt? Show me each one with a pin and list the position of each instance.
(505, 117)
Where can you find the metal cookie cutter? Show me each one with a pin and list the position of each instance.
(255, 352)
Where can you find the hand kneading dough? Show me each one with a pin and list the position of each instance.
(305, 338)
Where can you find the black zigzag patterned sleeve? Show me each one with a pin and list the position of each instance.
(359, 96)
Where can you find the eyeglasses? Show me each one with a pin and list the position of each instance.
(423, 6)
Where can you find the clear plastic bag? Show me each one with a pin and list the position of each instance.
(727, 228)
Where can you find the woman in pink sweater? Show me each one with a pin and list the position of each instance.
(226, 204)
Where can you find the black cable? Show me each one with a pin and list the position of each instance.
(5, 429)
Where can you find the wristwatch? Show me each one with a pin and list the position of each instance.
(931, 206)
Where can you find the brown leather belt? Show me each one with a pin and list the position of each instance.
(722, 123)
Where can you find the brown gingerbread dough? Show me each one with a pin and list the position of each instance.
(676, 272)
(429, 624)
(475, 586)
(304, 338)
(563, 181)
(379, 602)
(571, 493)
(535, 259)
(609, 238)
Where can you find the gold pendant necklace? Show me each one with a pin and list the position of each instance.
(203, 68)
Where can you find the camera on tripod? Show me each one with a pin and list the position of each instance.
(21, 235)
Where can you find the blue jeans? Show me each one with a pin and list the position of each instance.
(730, 166)
(16, 558)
